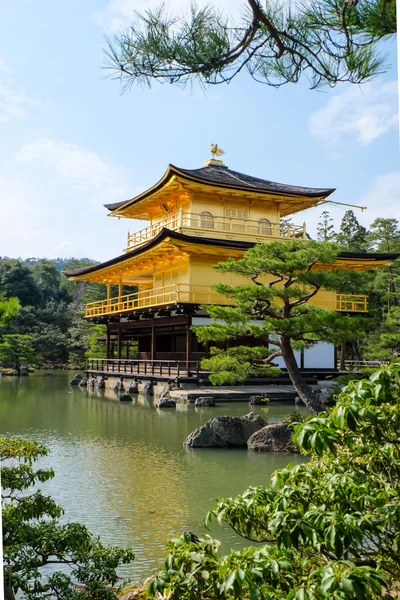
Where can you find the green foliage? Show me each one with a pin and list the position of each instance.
(235, 365)
(16, 349)
(96, 349)
(327, 40)
(328, 528)
(33, 537)
(294, 417)
(384, 343)
(8, 308)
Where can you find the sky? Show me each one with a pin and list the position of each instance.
(70, 142)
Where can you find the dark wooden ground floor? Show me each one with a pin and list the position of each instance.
(169, 339)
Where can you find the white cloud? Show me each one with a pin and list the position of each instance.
(382, 198)
(120, 13)
(4, 66)
(52, 195)
(15, 103)
(362, 113)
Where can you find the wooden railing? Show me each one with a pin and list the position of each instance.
(182, 293)
(170, 294)
(359, 365)
(216, 225)
(351, 303)
(154, 368)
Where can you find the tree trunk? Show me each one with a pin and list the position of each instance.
(356, 350)
(304, 391)
(8, 593)
(342, 366)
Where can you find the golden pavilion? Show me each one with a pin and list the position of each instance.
(197, 218)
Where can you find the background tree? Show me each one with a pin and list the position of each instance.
(283, 278)
(328, 528)
(325, 229)
(16, 280)
(383, 342)
(34, 538)
(384, 236)
(50, 307)
(8, 309)
(329, 40)
(16, 349)
(352, 236)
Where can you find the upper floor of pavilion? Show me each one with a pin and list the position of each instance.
(217, 202)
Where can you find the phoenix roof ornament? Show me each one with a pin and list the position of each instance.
(216, 151)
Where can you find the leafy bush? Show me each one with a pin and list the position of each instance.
(33, 537)
(327, 528)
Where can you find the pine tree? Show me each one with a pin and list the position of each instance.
(276, 42)
(325, 228)
(352, 235)
(283, 279)
(384, 236)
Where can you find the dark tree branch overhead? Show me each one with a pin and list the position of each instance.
(329, 40)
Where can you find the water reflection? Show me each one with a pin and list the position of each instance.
(122, 469)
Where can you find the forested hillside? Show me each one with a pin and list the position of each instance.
(51, 310)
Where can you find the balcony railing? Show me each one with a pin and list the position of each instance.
(217, 227)
(181, 293)
(351, 303)
(170, 294)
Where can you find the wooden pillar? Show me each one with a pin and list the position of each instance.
(108, 343)
(188, 341)
(120, 288)
(119, 342)
(108, 291)
(153, 343)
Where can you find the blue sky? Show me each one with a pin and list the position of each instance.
(69, 142)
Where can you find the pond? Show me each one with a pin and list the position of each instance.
(121, 469)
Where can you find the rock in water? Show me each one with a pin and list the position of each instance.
(83, 382)
(205, 401)
(125, 398)
(148, 388)
(276, 437)
(101, 384)
(133, 388)
(76, 380)
(119, 386)
(166, 403)
(258, 400)
(224, 432)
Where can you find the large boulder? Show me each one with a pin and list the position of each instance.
(205, 401)
(276, 437)
(224, 432)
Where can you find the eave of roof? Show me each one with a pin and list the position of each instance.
(220, 243)
(223, 177)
